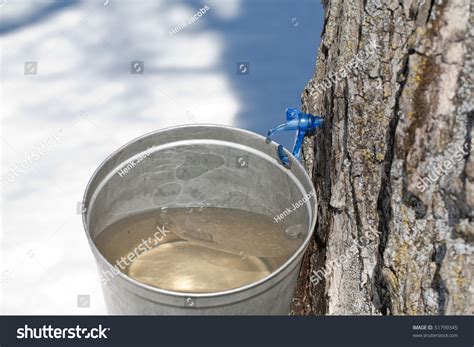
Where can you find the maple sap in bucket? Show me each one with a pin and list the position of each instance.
(198, 249)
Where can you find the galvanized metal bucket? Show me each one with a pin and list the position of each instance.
(240, 170)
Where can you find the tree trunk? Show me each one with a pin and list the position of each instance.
(392, 164)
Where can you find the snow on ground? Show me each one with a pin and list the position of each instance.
(69, 99)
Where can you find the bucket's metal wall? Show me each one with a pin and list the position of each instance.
(272, 298)
(194, 166)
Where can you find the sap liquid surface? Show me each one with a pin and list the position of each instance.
(199, 249)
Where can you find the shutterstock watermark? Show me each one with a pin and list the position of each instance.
(34, 155)
(317, 276)
(142, 248)
(189, 21)
(343, 72)
(294, 207)
(39, 151)
(443, 168)
(49, 332)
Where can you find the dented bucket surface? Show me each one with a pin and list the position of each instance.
(199, 220)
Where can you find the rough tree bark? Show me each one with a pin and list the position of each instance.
(392, 124)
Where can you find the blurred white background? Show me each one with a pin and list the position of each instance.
(69, 99)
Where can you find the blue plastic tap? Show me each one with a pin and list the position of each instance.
(303, 123)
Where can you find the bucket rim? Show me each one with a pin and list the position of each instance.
(246, 288)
